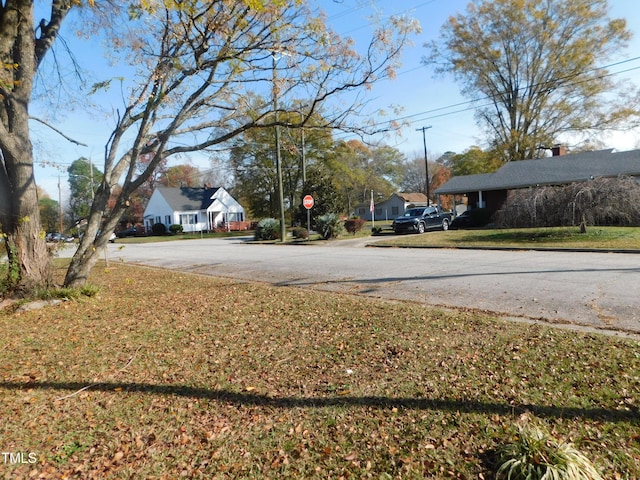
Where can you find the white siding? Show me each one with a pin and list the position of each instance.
(157, 207)
(223, 207)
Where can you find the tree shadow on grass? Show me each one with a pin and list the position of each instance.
(381, 402)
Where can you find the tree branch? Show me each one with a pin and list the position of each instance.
(58, 131)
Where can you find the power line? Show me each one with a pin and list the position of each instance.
(471, 104)
(491, 97)
(402, 12)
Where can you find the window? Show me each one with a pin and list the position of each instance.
(188, 219)
(167, 219)
(395, 211)
(158, 219)
(234, 217)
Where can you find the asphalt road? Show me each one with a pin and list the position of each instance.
(596, 290)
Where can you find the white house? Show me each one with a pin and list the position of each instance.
(196, 209)
(392, 207)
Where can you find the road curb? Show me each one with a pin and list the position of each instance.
(512, 249)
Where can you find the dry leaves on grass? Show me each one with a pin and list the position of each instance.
(204, 378)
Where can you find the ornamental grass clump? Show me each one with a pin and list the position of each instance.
(267, 229)
(329, 225)
(536, 455)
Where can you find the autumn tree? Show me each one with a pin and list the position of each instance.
(472, 161)
(196, 62)
(202, 61)
(83, 177)
(253, 162)
(361, 168)
(183, 175)
(414, 173)
(534, 69)
(49, 212)
(321, 186)
(145, 190)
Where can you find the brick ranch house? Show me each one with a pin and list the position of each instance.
(489, 190)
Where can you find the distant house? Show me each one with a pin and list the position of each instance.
(489, 190)
(196, 209)
(392, 207)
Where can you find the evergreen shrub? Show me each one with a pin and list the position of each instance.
(267, 229)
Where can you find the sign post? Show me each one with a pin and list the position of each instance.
(372, 209)
(308, 202)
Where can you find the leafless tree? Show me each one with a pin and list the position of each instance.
(602, 201)
(196, 65)
(198, 68)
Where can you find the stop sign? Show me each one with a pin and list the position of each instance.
(308, 201)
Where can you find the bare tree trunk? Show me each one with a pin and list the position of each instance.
(19, 213)
(95, 238)
(81, 265)
(27, 253)
(29, 260)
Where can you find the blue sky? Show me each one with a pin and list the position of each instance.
(426, 101)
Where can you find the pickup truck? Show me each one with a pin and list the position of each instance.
(421, 219)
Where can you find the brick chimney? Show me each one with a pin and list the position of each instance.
(558, 150)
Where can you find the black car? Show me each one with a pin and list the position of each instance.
(58, 237)
(464, 220)
(421, 219)
(127, 232)
(475, 218)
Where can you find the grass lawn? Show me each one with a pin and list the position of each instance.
(605, 238)
(181, 236)
(165, 375)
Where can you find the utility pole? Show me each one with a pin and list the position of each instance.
(91, 179)
(304, 163)
(60, 203)
(426, 162)
(283, 227)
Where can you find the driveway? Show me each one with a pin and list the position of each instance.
(597, 290)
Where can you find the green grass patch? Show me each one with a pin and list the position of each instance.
(605, 238)
(182, 236)
(168, 375)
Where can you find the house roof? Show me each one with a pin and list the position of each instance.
(556, 170)
(412, 197)
(186, 198)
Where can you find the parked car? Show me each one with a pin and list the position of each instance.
(53, 237)
(464, 220)
(112, 237)
(127, 232)
(421, 219)
(477, 217)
